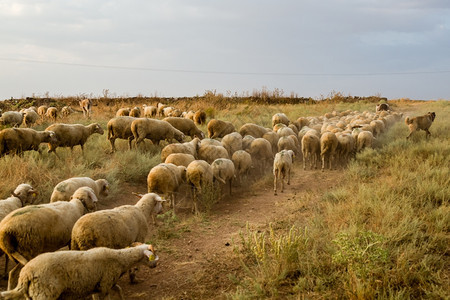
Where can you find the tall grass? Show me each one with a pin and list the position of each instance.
(383, 233)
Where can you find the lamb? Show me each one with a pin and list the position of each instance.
(179, 159)
(71, 135)
(223, 171)
(135, 112)
(310, 149)
(280, 118)
(261, 152)
(154, 130)
(200, 176)
(165, 179)
(12, 118)
(188, 148)
(200, 117)
(78, 274)
(328, 145)
(42, 110)
(29, 231)
(243, 163)
(364, 140)
(121, 112)
(219, 128)
(149, 111)
(30, 117)
(282, 166)
(18, 140)
(186, 126)
(65, 189)
(67, 110)
(118, 227)
(86, 107)
(120, 128)
(209, 153)
(24, 194)
(421, 122)
(232, 142)
(52, 113)
(254, 130)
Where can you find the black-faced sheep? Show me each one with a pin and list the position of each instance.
(17, 140)
(200, 176)
(79, 274)
(165, 179)
(186, 126)
(218, 128)
(188, 148)
(282, 166)
(154, 130)
(71, 135)
(120, 128)
(65, 189)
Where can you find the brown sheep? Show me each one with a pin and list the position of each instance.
(328, 145)
(123, 112)
(421, 122)
(30, 117)
(199, 175)
(209, 153)
(42, 110)
(17, 140)
(154, 130)
(200, 117)
(261, 152)
(179, 159)
(188, 148)
(86, 107)
(52, 113)
(149, 111)
(219, 128)
(254, 130)
(71, 135)
(280, 118)
(120, 128)
(135, 112)
(186, 126)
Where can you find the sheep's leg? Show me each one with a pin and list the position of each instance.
(118, 290)
(6, 266)
(323, 162)
(275, 182)
(14, 276)
(305, 156)
(289, 177)
(172, 199)
(428, 133)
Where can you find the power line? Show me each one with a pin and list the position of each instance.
(222, 72)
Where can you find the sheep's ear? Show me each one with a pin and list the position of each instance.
(33, 192)
(138, 195)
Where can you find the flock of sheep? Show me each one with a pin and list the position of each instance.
(99, 239)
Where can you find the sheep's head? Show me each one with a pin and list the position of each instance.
(87, 196)
(50, 137)
(26, 193)
(98, 129)
(179, 136)
(103, 184)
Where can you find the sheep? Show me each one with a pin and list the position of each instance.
(167, 111)
(282, 166)
(42, 110)
(175, 113)
(135, 112)
(273, 138)
(285, 131)
(149, 111)
(200, 117)
(209, 153)
(165, 179)
(86, 107)
(65, 189)
(346, 146)
(243, 163)
(71, 135)
(382, 107)
(364, 140)
(310, 149)
(179, 159)
(219, 128)
(24, 194)
(30, 117)
(189, 115)
(78, 274)
(154, 130)
(12, 118)
(261, 152)
(199, 175)
(18, 140)
(278, 127)
(421, 122)
(120, 128)
(52, 113)
(67, 110)
(232, 142)
(301, 122)
(123, 112)
(186, 126)
(29, 231)
(208, 141)
(247, 141)
(288, 143)
(160, 109)
(328, 145)
(223, 171)
(378, 127)
(254, 130)
(280, 118)
(116, 228)
(294, 128)
(188, 148)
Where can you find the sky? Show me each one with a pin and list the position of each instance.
(182, 48)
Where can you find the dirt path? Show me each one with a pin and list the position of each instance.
(198, 262)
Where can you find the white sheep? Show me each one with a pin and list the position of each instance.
(209, 153)
(30, 117)
(243, 163)
(364, 140)
(165, 179)
(328, 145)
(79, 274)
(67, 110)
(71, 135)
(200, 117)
(52, 113)
(121, 112)
(149, 111)
(65, 189)
(12, 118)
(288, 143)
(42, 110)
(200, 176)
(86, 107)
(187, 147)
(254, 130)
(135, 112)
(310, 149)
(208, 141)
(247, 142)
(261, 152)
(232, 142)
(224, 171)
(29, 231)
(282, 166)
(273, 138)
(280, 118)
(346, 147)
(179, 159)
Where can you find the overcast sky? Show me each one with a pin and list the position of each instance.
(171, 48)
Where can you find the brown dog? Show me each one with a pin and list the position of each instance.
(421, 122)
